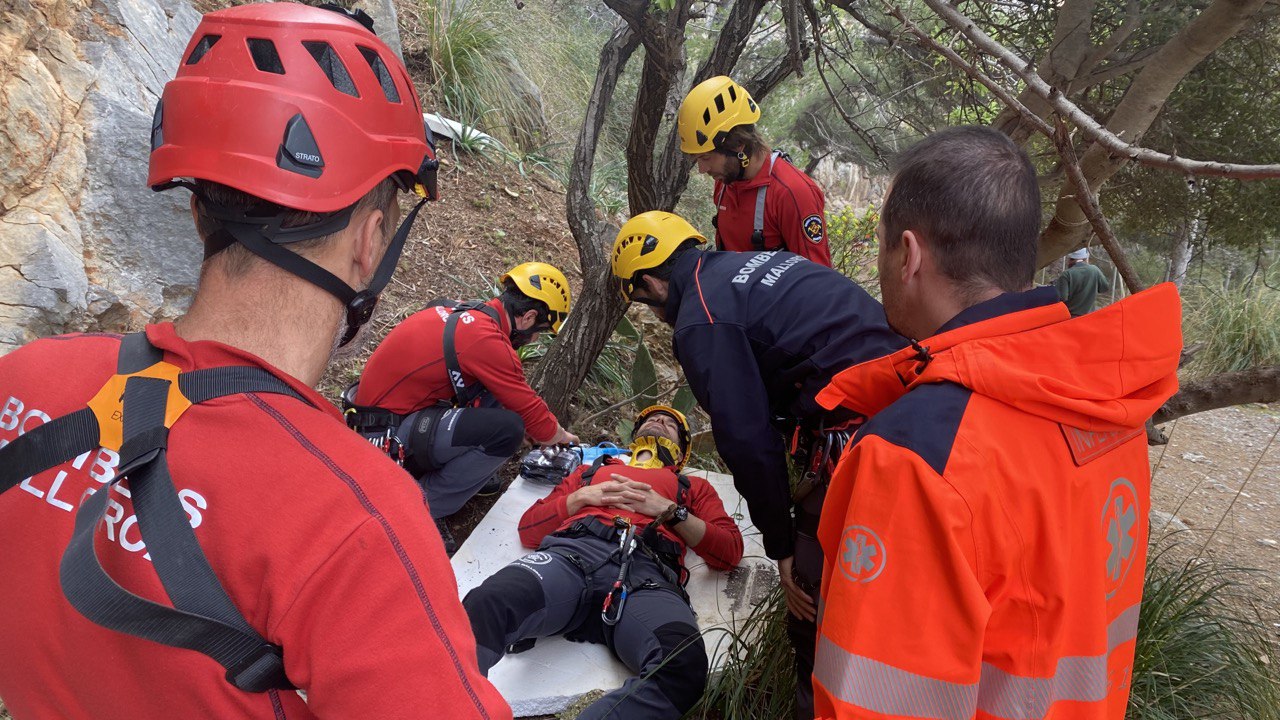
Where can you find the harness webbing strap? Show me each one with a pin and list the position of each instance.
(464, 394)
(47, 446)
(757, 223)
(203, 617)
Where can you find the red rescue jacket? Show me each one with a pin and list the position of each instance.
(985, 534)
(794, 213)
(721, 547)
(322, 542)
(407, 373)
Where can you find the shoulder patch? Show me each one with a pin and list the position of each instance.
(1088, 446)
(924, 421)
(813, 228)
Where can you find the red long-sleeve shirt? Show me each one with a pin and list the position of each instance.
(721, 546)
(322, 542)
(794, 213)
(407, 373)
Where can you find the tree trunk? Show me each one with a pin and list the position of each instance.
(1070, 48)
(598, 306)
(1181, 256)
(1235, 388)
(1135, 113)
(655, 180)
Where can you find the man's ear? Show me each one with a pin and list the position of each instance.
(657, 289)
(527, 320)
(370, 244)
(913, 256)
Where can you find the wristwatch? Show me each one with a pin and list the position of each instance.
(680, 515)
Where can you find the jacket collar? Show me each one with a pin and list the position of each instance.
(1002, 304)
(682, 276)
(871, 386)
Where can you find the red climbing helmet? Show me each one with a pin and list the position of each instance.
(298, 105)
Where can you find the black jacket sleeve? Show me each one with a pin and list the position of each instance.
(724, 377)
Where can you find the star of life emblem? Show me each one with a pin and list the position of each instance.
(861, 554)
(1119, 525)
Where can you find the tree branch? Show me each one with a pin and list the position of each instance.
(562, 370)
(1257, 385)
(672, 167)
(1089, 204)
(879, 30)
(583, 222)
(1089, 127)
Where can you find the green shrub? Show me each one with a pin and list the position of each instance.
(759, 680)
(1240, 328)
(851, 235)
(1201, 652)
(473, 72)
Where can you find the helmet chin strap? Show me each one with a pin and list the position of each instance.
(744, 161)
(264, 237)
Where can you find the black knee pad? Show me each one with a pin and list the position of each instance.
(500, 604)
(682, 676)
(507, 435)
(496, 431)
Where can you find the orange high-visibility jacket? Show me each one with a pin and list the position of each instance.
(986, 532)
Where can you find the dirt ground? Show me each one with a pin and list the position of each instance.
(1206, 478)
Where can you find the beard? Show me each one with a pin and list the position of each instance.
(520, 338)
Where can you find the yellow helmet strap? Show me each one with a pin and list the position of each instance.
(662, 452)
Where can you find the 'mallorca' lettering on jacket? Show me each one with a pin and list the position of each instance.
(776, 272)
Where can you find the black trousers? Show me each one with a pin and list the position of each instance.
(454, 451)
(807, 572)
(560, 589)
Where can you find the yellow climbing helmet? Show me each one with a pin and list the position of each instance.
(664, 452)
(645, 242)
(541, 281)
(710, 111)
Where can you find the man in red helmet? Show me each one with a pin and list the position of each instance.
(251, 527)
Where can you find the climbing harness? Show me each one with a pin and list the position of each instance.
(611, 612)
(757, 223)
(132, 414)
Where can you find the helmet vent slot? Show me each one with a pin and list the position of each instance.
(380, 71)
(719, 103)
(265, 57)
(206, 43)
(733, 93)
(331, 65)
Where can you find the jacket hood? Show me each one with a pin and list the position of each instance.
(1108, 370)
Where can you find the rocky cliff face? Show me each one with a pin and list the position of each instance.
(84, 244)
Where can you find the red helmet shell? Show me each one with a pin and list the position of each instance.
(249, 71)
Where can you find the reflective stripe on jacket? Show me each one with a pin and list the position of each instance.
(986, 533)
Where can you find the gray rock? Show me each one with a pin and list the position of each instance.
(84, 243)
(1163, 522)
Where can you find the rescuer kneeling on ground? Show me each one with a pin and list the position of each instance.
(610, 569)
(445, 391)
